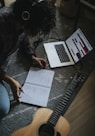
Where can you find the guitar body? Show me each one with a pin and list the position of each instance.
(41, 116)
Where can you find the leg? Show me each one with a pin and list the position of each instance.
(4, 101)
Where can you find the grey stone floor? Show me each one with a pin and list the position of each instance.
(17, 66)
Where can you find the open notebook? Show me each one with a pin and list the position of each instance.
(69, 52)
(37, 87)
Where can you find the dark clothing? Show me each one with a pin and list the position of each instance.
(11, 38)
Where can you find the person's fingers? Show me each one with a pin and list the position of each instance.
(19, 90)
(40, 63)
(43, 64)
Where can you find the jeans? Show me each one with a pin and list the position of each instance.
(4, 101)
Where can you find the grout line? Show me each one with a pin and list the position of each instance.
(19, 75)
(18, 112)
(55, 97)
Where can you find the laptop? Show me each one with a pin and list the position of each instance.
(69, 52)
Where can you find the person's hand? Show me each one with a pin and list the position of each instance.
(40, 61)
(15, 85)
(16, 88)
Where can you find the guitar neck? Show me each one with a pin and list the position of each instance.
(66, 99)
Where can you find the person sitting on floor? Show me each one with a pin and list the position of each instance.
(18, 21)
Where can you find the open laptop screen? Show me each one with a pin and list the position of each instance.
(78, 45)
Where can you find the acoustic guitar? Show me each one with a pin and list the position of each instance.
(51, 123)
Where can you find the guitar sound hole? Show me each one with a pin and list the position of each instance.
(46, 130)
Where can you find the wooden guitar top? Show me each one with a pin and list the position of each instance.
(41, 116)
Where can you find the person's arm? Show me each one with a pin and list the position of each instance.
(15, 86)
(40, 61)
(30, 51)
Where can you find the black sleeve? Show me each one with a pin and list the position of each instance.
(25, 45)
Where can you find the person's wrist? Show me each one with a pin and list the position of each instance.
(33, 57)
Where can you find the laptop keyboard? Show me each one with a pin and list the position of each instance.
(62, 53)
